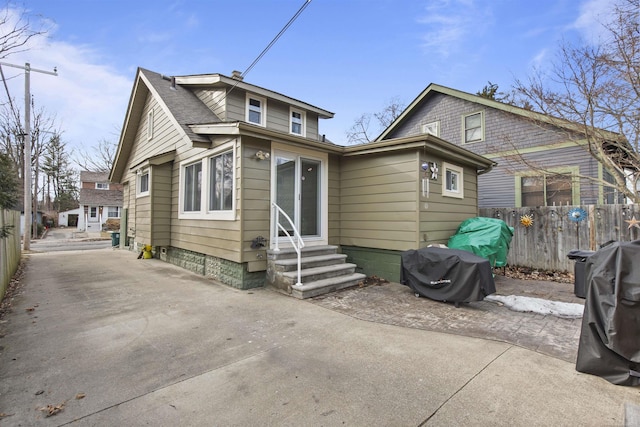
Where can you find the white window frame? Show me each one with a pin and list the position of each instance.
(150, 124)
(183, 170)
(139, 174)
(303, 122)
(464, 127)
(117, 210)
(432, 128)
(459, 172)
(102, 185)
(204, 212)
(262, 111)
(93, 212)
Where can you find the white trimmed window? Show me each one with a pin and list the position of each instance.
(221, 182)
(207, 187)
(102, 186)
(256, 110)
(453, 181)
(113, 212)
(142, 183)
(432, 128)
(297, 122)
(93, 212)
(473, 127)
(150, 124)
(192, 190)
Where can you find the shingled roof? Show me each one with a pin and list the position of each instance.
(94, 197)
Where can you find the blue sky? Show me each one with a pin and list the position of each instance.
(347, 56)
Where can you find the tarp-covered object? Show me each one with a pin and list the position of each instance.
(486, 237)
(446, 274)
(610, 335)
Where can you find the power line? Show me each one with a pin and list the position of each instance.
(273, 41)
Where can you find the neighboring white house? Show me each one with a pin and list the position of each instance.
(100, 200)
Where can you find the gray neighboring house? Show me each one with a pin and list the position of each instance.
(100, 200)
(499, 131)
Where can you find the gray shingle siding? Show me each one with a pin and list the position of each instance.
(503, 131)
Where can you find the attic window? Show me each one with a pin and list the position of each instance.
(150, 124)
(102, 186)
(256, 110)
(473, 127)
(432, 128)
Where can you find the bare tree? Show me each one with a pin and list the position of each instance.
(100, 158)
(595, 87)
(17, 30)
(361, 132)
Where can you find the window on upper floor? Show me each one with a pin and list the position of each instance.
(207, 187)
(432, 128)
(142, 183)
(256, 110)
(453, 181)
(102, 186)
(150, 124)
(546, 190)
(473, 127)
(297, 122)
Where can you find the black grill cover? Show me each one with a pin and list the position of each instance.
(610, 336)
(446, 274)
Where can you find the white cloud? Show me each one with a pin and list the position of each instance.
(450, 24)
(593, 14)
(88, 100)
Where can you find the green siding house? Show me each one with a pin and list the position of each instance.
(212, 167)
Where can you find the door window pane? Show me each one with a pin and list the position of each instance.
(309, 206)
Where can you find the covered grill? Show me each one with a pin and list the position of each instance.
(444, 274)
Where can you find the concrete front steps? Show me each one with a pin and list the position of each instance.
(322, 270)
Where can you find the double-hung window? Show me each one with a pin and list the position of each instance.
(256, 110)
(297, 122)
(453, 181)
(143, 183)
(192, 187)
(113, 212)
(473, 125)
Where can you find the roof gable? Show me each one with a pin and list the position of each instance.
(508, 108)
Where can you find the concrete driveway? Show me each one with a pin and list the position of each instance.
(113, 340)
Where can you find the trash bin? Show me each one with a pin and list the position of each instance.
(579, 282)
(115, 239)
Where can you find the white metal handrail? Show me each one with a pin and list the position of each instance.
(296, 239)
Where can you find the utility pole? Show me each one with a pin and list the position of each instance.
(27, 147)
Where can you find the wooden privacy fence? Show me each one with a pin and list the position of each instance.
(9, 248)
(556, 230)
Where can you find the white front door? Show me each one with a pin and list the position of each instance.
(300, 190)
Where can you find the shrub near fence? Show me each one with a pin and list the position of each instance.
(9, 248)
(546, 243)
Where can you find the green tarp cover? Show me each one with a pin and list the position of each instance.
(485, 237)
